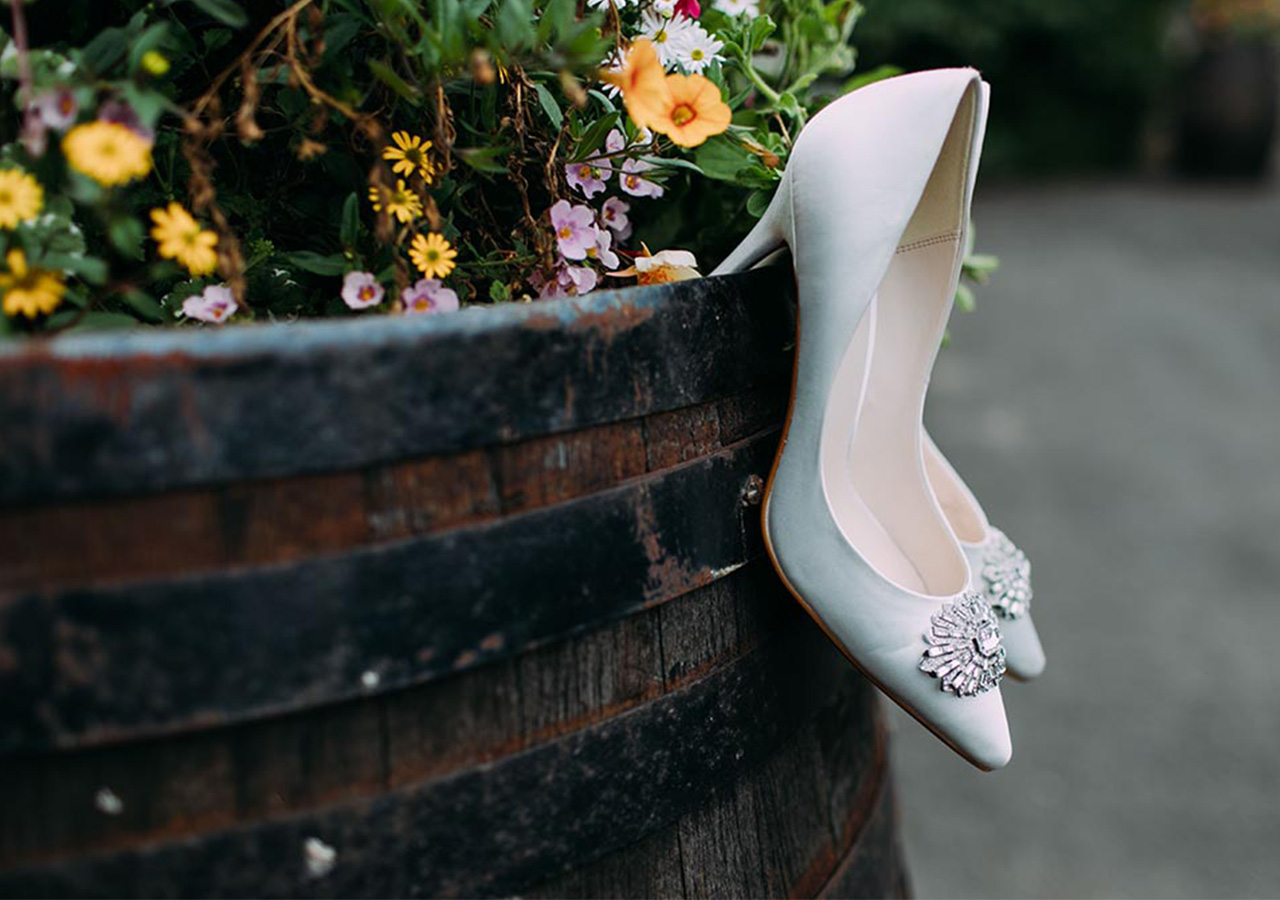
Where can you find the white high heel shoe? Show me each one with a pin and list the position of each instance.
(874, 207)
(998, 569)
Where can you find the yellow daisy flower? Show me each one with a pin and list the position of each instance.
(21, 197)
(403, 202)
(107, 152)
(29, 291)
(409, 155)
(432, 255)
(180, 237)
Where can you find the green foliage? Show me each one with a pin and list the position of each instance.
(277, 123)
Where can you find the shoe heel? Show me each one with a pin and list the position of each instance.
(771, 233)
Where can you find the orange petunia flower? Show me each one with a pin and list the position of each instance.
(686, 108)
(643, 83)
(695, 110)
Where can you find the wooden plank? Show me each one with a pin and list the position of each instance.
(89, 416)
(183, 785)
(82, 666)
(507, 825)
(286, 519)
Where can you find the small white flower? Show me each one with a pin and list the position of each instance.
(664, 32)
(665, 7)
(605, 4)
(318, 857)
(749, 8)
(695, 49)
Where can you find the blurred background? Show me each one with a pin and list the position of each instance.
(1115, 403)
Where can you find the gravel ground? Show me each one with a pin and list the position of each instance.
(1115, 403)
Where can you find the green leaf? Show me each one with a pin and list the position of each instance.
(879, 73)
(593, 138)
(965, 300)
(316, 263)
(144, 305)
(499, 292)
(105, 50)
(761, 28)
(549, 105)
(758, 202)
(228, 12)
(126, 234)
(483, 159)
(102, 321)
(391, 79)
(350, 230)
(90, 268)
(149, 40)
(722, 158)
(672, 162)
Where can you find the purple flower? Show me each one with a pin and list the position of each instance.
(614, 215)
(602, 252)
(360, 290)
(575, 229)
(565, 281)
(122, 113)
(636, 186)
(588, 177)
(428, 296)
(577, 280)
(615, 141)
(214, 304)
(57, 108)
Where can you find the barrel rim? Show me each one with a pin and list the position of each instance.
(302, 337)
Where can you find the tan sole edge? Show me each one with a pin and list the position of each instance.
(768, 544)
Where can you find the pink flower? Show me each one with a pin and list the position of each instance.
(636, 186)
(577, 280)
(615, 141)
(428, 296)
(360, 290)
(122, 113)
(214, 304)
(614, 215)
(575, 228)
(690, 8)
(56, 108)
(565, 281)
(589, 176)
(602, 252)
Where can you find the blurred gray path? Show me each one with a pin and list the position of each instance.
(1115, 403)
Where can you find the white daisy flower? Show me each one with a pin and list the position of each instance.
(696, 49)
(665, 33)
(604, 4)
(749, 8)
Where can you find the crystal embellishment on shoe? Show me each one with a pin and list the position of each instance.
(1006, 573)
(965, 651)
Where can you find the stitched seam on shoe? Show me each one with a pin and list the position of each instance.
(928, 242)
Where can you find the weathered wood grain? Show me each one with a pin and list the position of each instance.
(517, 636)
(110, 415)
(493, 829)
(120, 662)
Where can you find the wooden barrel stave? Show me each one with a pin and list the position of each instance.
(437, 776)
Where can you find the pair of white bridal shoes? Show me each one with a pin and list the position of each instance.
(865, 521)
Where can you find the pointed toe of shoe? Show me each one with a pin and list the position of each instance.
(976, 728)
(1024, 655)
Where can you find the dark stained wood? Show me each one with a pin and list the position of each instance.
(96, 416)
(126, 661)
(496, 620)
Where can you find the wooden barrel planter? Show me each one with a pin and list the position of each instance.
(463, 606)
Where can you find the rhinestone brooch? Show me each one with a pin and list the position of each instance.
(1007, 576)
(965, 652)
